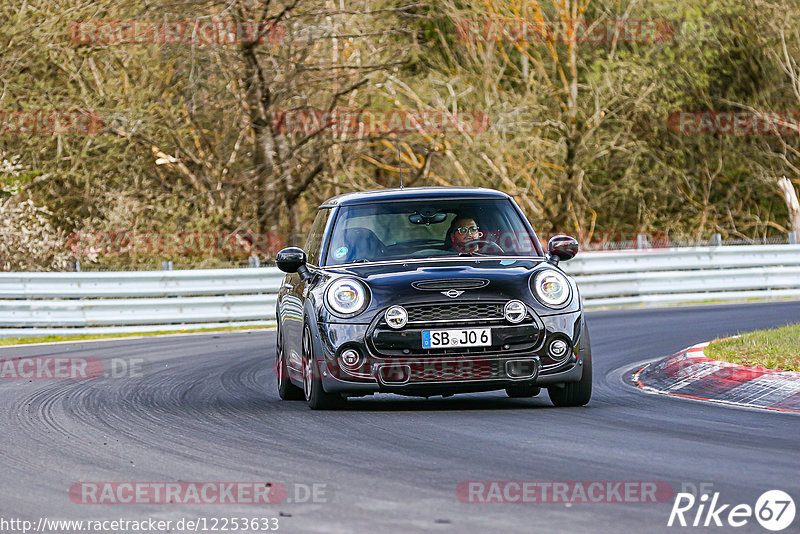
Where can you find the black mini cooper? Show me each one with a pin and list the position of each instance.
(429, 291)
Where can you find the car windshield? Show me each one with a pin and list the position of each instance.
(428, 228)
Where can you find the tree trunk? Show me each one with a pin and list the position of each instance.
(258, 98)
(294, 231)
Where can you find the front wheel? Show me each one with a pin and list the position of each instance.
(316, 397)
(576, 393)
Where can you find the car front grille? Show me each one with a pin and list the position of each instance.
(455, 370)
(455, 312)
(506, 338)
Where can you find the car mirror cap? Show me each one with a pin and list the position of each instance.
(562, 248)
(291, 260)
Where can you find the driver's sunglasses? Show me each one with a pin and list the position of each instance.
(465, 229)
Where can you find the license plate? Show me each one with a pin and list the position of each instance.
(466, 337)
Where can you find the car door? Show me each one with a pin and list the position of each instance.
(294, 299)
(291, 317)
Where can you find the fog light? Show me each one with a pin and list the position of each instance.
(515, 311)
(396, 317)
(350, 359)
(558, 348)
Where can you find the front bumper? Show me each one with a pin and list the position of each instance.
(421, 373)
(332, 384)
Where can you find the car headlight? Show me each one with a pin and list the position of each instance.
(346, 296)
(551, 288)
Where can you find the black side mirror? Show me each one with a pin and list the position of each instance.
(293, 260)
(561, 248)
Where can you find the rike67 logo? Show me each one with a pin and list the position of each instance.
(774, 510)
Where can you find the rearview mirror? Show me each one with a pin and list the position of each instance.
(562, 248)
(427, 218)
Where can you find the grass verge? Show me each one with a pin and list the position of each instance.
(81, 337)
(778, 348)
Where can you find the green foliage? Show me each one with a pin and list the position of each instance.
(778, 348)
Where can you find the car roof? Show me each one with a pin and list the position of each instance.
(411, 193)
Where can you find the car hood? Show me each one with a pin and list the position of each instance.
(398, 282)
(454, 267)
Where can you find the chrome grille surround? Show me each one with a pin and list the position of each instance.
(455, 312)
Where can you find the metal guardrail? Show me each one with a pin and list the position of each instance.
(113, 284)
(140, 301)
(684, 275)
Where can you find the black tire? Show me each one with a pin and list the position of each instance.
(315, 396)
(523, 391)
(576, 393)
(286, 390)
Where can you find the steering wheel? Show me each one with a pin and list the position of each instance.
(491, 244)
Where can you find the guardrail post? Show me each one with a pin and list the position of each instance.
(641, 241)
(793, 238)
(716, 240)
(255, 261)
(75, 266)
(166, 265)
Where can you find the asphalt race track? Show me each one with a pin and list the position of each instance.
(204, 408)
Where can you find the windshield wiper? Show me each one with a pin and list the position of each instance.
(472, 254)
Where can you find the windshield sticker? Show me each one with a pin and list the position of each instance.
(340, 252)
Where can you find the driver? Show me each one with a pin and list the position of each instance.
(463, 234)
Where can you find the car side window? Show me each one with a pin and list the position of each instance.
(314, 241)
